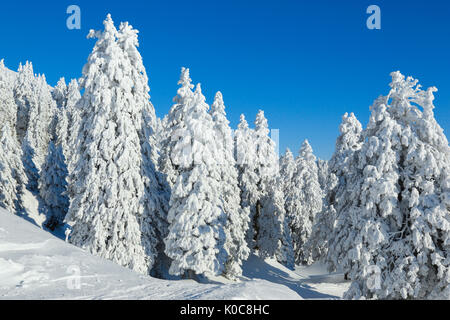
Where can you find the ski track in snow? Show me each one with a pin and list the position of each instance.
(34, 264)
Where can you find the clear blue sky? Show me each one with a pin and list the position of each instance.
(304, 62)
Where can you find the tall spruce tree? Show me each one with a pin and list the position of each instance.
(304, 202)
(157, 192)
(237, 217)
(196, 239)
(108, 210)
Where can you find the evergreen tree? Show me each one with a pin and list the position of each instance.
(108, 211)
(59, 93)
(53, 185)
(39, 130)
(174, 123)
(8, 108)
(12, 175)
(340, 166)
(274, 236)
(245, 156)
(24, 96)
(266, 168)
(157, 193)
(196, 238)
(322, 174)
(287, 171)
(304, 202)
(397, 226)
(237, 217)
(70, 123)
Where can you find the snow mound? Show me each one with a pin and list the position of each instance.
(34, 264)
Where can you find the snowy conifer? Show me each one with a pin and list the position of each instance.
(108, 207)
(266, 168)
(245, 155)
(196, 237)
(12, 175)
(70, 124)
(337, 187)
(39, 130)
(397, 228)
(274, 236)
(175, 122)
(53, 185)
(59, 93)
(304, 201)
(8, 108)
(157, 192)
(322, 173)
(237, 217)
(24, 91)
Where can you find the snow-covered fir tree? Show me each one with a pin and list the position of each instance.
(237, 217)
(175, 122)
(336, 187)
(303, 202)
(245, 156)
(338, 193)
(287, 170)
(12, 175)
(157, 191)
(322, 173)
(39, 130)
(8, 108)
(397, 229)
(59, 93)
(196, 239)
(69, 124)
(274, 236)
(24, 96)
(108, 209)
(53, 186)
(266, 169)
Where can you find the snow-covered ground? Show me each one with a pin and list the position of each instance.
(35, 264)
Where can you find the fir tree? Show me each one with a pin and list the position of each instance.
(108, 210)
(8, 108)
(266, 168)
(397, 226)
(12, 175)
(237, 217)
(304, 202)
(196, 238)
(157, 193)
(53, 185)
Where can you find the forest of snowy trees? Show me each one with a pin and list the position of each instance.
(187, 195)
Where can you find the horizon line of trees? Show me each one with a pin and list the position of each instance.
(187, 196)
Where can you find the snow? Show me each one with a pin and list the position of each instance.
(34, 264)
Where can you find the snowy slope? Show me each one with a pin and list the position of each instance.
(36, 265)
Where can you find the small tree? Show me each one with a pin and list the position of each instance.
(53, 185)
